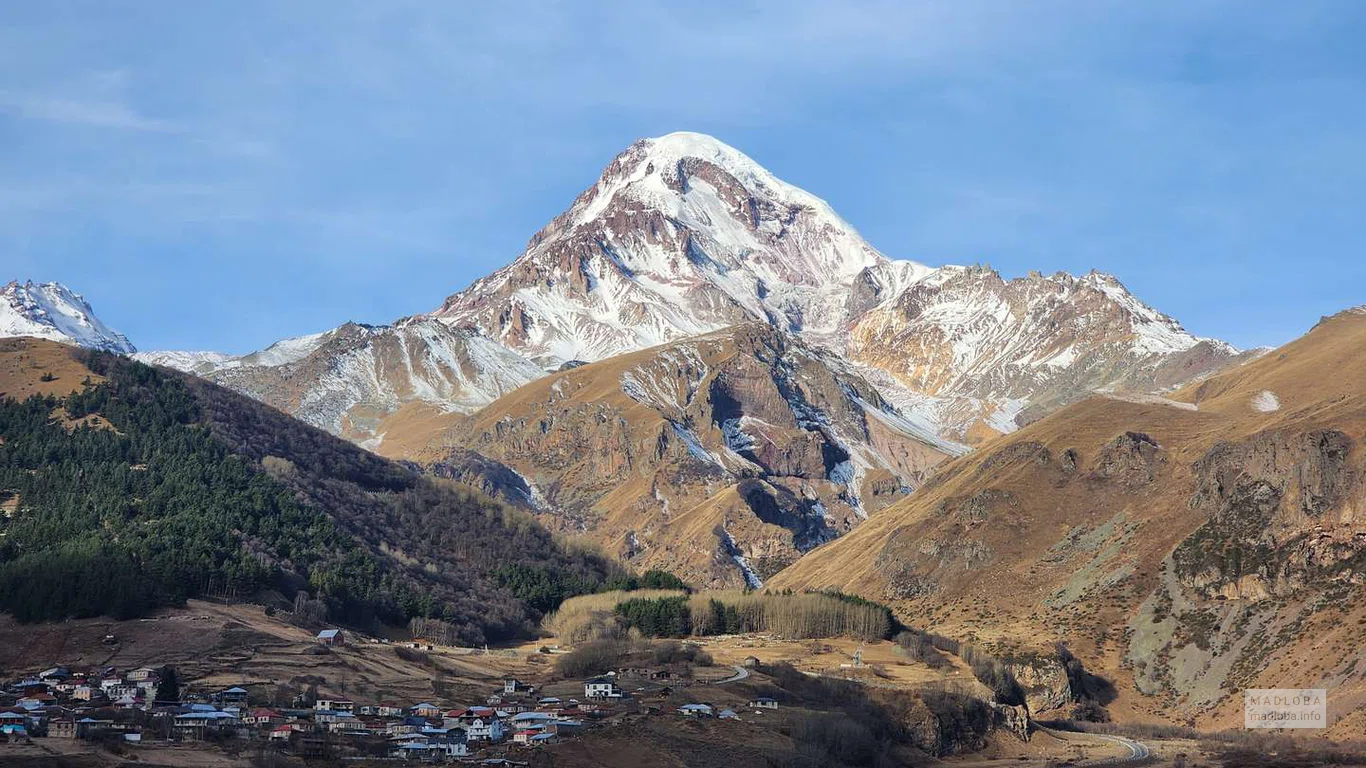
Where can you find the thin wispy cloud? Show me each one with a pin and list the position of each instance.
(97, 114)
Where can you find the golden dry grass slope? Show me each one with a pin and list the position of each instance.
(739, 447)
(1185, 548)
(39, 367)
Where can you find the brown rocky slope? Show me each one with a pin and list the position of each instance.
(1186, 548)
(722, 457)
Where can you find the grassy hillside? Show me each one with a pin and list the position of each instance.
(141, 488)
(1186, 548)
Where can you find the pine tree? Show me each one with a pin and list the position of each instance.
(168, 688)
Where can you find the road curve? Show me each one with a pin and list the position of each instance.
(740, 674)
(1137, 750)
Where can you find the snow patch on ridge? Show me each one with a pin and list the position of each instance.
(694, 445)
(1266, 402)
(737, 555)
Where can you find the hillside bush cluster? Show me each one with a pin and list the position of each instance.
(671, 613)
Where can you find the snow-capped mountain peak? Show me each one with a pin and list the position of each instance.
(636, 165)
(683, 235)
(680, 235)
(53, 311)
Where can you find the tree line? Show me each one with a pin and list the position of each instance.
(803, 615)
(197, 490)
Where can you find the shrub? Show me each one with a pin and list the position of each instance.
(594, 658)
(671, 651)
(918, 646)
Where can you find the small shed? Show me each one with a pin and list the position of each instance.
(332, 637)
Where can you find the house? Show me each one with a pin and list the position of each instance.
(335, 705)
(332, 637)
(130, 701)
(601, 688)
(764, 703)
(695, 710)
(14, 733)
(233, 697)
(341, 722)
(263, 717)
(478, 723)
(490, 729)
(285, 732)
(69, 685)
(29, 685)
(728, 714)
(544, 738)
(89, 726)
(121, 690)
(426, 709)
(62, 729)
(564, 726)
(513, 686)
(144, 673)
(431, 744)
(192, 726)
(36, 701)
(525, 720)
(421, 644)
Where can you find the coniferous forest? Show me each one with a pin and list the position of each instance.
(151, 487)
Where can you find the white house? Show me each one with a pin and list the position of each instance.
(121, 691)
(601, 688)
(484, 729)
(334, 705)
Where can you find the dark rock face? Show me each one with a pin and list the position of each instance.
(1270, 501)
(1017, 454)
(1132, 458)
(487, 475)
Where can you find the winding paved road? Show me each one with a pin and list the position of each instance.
(1137, 749)
(740, 674)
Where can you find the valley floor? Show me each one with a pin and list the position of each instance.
(216, 646)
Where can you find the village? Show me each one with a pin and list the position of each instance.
(130, 708)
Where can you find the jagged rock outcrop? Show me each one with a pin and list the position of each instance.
(1044, 681)
(1284, 511)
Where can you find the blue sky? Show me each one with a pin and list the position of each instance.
(220, 175)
